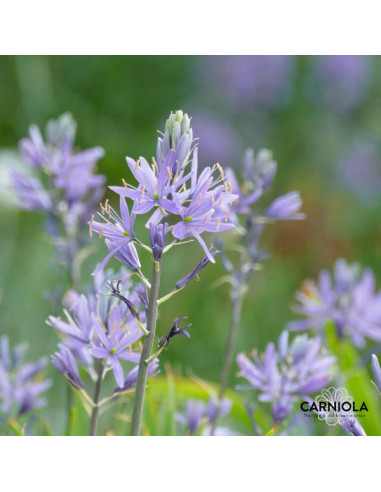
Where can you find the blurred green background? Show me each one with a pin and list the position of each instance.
(322, 122)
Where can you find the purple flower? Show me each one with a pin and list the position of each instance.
(219, 143)
(341, 82)
(154, 184)
(73, 172)
(76, 176)
(100, 327)
(115, 344)
(198, 413)
(247, 81)
(21, 384)
(184, 281)
(206, 211)
(65, 362)
(259, 171)
(157, 184)
(353, 427)
(132, 376)
(376, 372)
(286, 207)
(193, 204)
(79, 328)
(194, 413)
(348, 300)
(295, 370)
(30, 192)
(211, 409)
(118, 231)
(72, 188)
(158, 234)
(359, 170)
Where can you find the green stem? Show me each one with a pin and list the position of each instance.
(95, 412)
(146, 352)
(69, 404)
(237, 301)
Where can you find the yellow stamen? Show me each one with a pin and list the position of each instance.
(218, 225)
(91, 226)
(143, 190)
(136, 166)
(221, 170)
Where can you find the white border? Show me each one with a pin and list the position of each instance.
(189, 464)
(190, 27)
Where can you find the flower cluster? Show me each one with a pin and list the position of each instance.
(200, 416)
(348, 300)
(282, 376)
(98, 327)
(67, 188)
(179, 200)
(21, 383)
(258, 174)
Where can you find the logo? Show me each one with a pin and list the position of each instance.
(335, 406)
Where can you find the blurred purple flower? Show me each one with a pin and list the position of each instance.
(294, 371)
(30, 192)
(341, 82)
(359, 170)
(259, 171)
(219, 143)
(348, 300)
(78, 328)
(199, 413)
(21, 384)
(72, 187)
(286, 207)
(252, 80)
(353, 427)
(73, 172)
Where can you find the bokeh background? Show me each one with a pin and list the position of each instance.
(321, 116)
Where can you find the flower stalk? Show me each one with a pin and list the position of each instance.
(237, 297)
(95, 411)
(147, 350)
